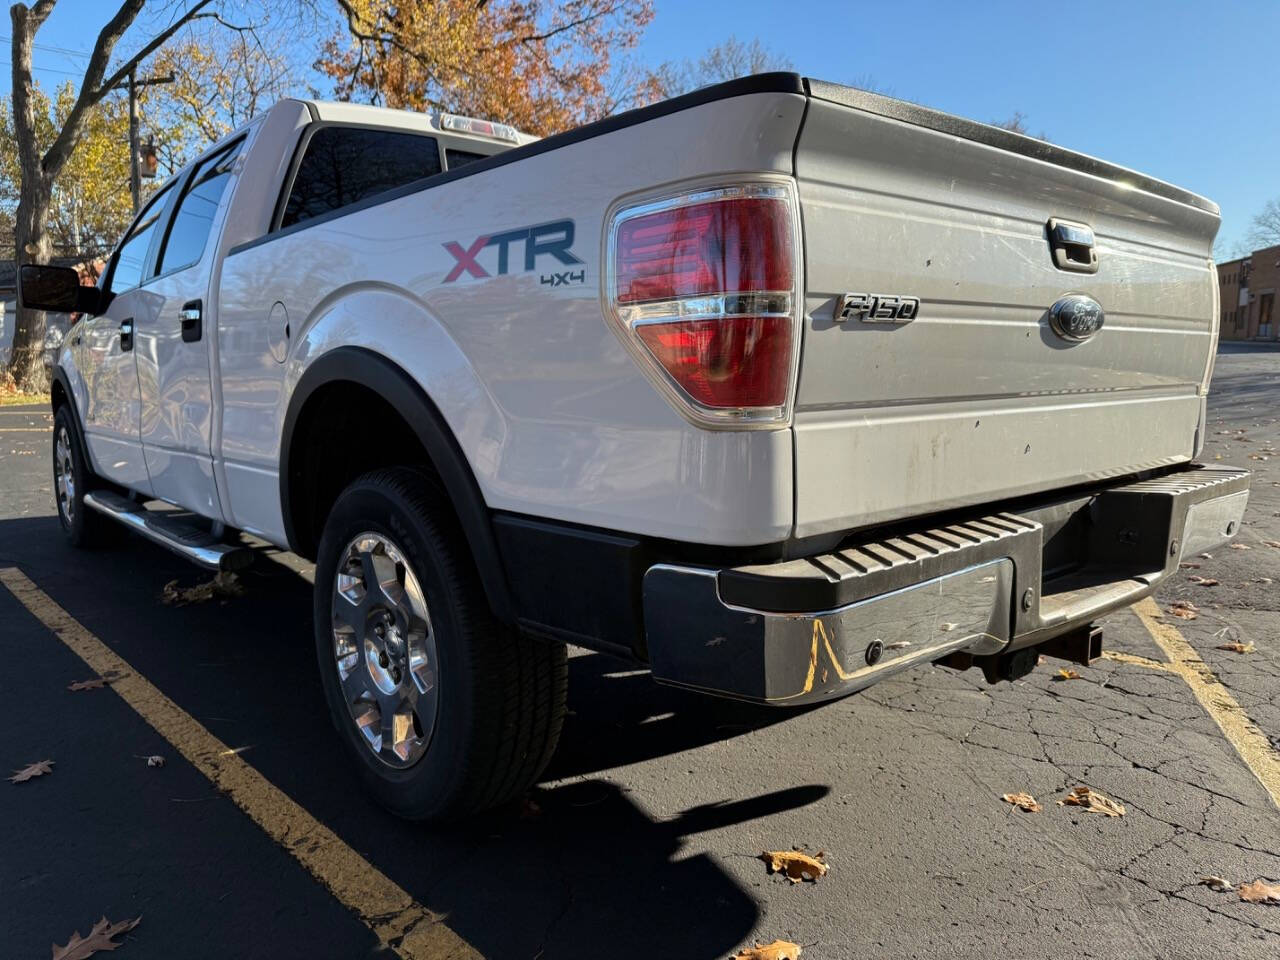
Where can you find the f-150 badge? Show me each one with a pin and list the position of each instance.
(876, 308)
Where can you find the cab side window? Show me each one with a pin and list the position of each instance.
(344, 165)
(131, 255)
(193, 221)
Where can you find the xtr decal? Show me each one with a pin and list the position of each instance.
(553, 239)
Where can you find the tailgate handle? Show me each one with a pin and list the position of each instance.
(1072, 246)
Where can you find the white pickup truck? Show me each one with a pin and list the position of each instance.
(778, 387)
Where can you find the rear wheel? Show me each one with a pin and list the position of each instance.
(72, 478)
(445, 711)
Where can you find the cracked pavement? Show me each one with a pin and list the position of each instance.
(650, 821)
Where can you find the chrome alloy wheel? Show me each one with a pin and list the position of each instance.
(64, 476)
(384, 649)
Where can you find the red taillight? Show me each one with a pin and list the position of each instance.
(734, 362)
(707, 288)
(722, 246)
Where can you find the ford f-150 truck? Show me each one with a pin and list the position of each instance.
(778, 387)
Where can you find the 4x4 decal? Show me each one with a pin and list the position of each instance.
(553, 238)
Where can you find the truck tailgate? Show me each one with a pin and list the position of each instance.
(977, 398)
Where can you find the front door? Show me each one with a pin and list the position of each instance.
(108, 357)
(173, 342)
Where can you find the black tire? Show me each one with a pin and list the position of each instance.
(500, 696)
(83, 527)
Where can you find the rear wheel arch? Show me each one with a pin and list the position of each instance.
(401, 427)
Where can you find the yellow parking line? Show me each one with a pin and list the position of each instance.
(411, 930)
(26, 429)
(1250, 742)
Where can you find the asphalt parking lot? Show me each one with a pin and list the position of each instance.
(254, 839)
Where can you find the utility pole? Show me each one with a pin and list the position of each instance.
(135, 172)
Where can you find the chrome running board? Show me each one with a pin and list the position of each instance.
(177, 533)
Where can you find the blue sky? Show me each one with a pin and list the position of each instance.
(1188, 92)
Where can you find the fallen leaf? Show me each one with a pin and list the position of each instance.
(1263, 580)
(1271, 543)
(1188, 566)
(1259, 892)
(1184, 609)
(1205, 581)
(948, 627)
(1065, 674)
(99, 939)
(1239, 546)
(1023, 801)
(38, 769)
(796, 865)
(223, 584)
(1092, 801)
(155, 760)
(94, 684)
(1236, 647)
(1206, 556)
(1216, 883)
(778, 950)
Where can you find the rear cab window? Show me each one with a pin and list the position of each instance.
(192, 222)
(342, 165)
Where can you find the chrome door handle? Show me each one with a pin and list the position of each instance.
(192, 313)
(126, 335)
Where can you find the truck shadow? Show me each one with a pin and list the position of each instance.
(582, 869)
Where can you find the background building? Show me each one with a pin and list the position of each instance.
(1249, 287)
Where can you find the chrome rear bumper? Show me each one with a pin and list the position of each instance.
(821, 627)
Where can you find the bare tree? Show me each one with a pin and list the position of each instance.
(725, 61)
(40, 170)
(1264, 230)
(1017, 123)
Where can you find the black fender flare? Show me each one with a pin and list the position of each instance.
(382, 376)
(59, 376)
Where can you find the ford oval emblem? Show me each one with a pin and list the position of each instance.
(1076, 317)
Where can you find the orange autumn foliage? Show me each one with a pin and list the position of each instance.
(540, 65)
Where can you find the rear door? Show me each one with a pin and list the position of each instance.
(173, 340)
(107, 354)
(975, 396)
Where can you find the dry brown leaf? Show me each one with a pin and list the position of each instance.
(1235, 646)
(1259, 892)
(1271, 543)
(1205, 581)
(38, 769)
(796, 865)
(1023, 801)
(223, 584)
(778, 950)
(1216, 883)
(94, 684)
(1065, 674)
(1184, 609)
(1188, 566)
(99, 939)
(1092, 802)
(1240, 546)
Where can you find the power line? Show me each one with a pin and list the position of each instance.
(67, 73)
(66, 51)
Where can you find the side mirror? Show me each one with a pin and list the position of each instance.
(57, 290)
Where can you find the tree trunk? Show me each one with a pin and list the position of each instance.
(31, 245)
